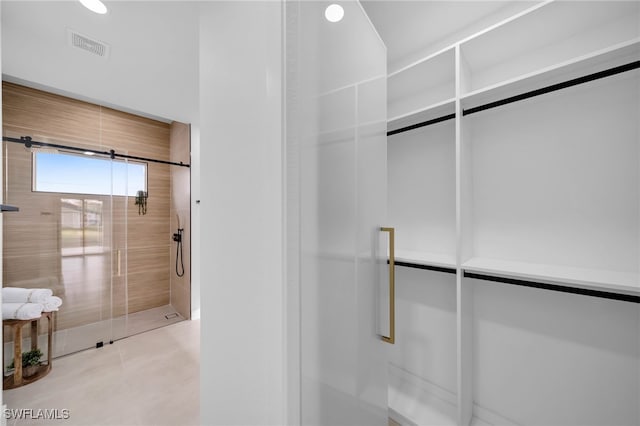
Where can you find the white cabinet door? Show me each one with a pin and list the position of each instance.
(336, 143)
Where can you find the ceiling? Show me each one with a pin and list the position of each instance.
(415, 28)
(152, 68)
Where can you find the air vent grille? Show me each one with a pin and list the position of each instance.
(83, 42)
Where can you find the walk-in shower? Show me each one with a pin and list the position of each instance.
(100, 193)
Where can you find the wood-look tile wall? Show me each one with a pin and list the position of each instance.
(32, 247)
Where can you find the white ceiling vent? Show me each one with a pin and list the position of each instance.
(91, 45)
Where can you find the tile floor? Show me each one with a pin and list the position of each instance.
(151, 378)
(86, 336)
(147, 379)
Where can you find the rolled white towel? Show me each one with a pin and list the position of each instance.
(52, 304)
(25, 295)
(21, 311)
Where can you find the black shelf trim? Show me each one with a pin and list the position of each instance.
(8, 208)
(563, 85)
(555, 287)
(427, 267)
(422, 124)
(28, 142)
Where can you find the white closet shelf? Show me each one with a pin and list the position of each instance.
(438, 260)
(601, 60)
(520, 44)
(592, 279)
(434, 110)
(425, 82)
(428, 113)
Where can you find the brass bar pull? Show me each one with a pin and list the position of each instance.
(119, 262)
(392, 287)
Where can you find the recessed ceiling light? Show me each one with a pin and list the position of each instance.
(95, 6)
(334, 13)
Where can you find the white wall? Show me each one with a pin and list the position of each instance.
(241, 214)
(196, 258)
(544, 357)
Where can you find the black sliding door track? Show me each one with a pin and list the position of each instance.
(569, 83)
(28, 142)
(555, 287)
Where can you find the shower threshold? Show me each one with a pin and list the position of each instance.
(87, 336)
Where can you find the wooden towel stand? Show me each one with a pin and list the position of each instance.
(16, 379)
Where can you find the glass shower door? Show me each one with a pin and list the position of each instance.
(122, 201)
(67, 236)
(85, 232)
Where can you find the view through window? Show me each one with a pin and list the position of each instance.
(83, 174)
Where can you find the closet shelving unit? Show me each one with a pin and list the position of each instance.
(514, 157)
(422, 208)
(425, 235)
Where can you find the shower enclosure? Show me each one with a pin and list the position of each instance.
(96, 229)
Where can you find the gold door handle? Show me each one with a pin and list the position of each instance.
(392, 287)
(119, 263)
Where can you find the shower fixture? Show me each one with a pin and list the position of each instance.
(141, 202)
(177, 237)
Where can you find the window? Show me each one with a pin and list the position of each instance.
(82, 174)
